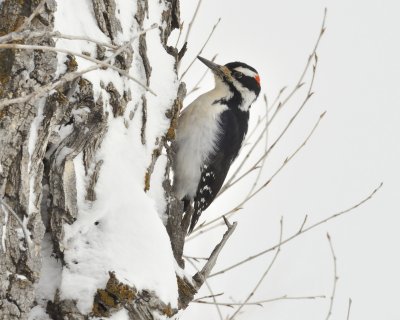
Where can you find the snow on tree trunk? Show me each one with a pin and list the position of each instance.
(83, 169)
(22, 150)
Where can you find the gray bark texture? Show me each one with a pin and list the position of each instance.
(21, 72)
(37, 177)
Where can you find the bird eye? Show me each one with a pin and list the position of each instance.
(237, 74)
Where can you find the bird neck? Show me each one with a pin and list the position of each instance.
(226, 93)
(222, 91)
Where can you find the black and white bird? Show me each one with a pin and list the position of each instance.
(210, 133)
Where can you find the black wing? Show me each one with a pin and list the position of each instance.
(214, 172)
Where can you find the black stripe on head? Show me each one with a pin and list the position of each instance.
(234, 65)
(250, 83)
(247, 81)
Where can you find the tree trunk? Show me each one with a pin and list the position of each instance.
(84, 167)
(21, 159)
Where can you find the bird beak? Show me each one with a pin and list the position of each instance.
(217, 69)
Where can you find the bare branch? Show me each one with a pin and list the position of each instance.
(210, 296)
(180, 34)
(335, 278)
(285, 297)
(300, 232)
(29, 34)
(197, 259)
(70, 76)
(250, 135)
(348, 309)
(19, 36)
(35, 12)
(201, 276)
(259, 303)
(7, 207)
(257, 179)
(303, 224)
(287, 159)
(230, 183)
(201, 230)
(201, 50)
(263, 276)
(128, 43)
(192, 21)
(196, 86)
(213, 296)
(83, 56)
(57, 34)
(298, 85)
(310, 58)
(211, 291)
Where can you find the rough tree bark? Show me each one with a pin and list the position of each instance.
(21, 165)
(43, 137)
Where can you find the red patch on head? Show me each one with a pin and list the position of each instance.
(257, 77)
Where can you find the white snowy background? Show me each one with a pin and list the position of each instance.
(354, 149)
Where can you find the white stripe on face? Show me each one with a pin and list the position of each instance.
(248, 96)
(246, 72)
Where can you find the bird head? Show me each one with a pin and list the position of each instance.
(241, 81)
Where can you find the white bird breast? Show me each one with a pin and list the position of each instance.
(197, 136)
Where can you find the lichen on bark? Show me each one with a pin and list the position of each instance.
(41, 139)
(21, 72)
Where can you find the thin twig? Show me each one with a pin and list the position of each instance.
(298, 85)
(230, 183)
(263, 276)
(261, 302)
(57, 34)
(250, 135)
(180, 34)
(196, 86)
(83, 56)
(213, 296)
(310, 58)
(35, 12)
(255, 166)
(209, 296)
(29, 34)
(201, 276)
(21, 35)
(5, 206)
(257, 179)
(304, 223)
(201, 229)
(70, 76)
(348, 309)
(192, 21)
(211, 291)
(335, 278)
(201, 50)
(197, 259)
(286, 160)
(300, 232)
(233, 180)
(275, 104)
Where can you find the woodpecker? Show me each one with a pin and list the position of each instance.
(210, 133)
